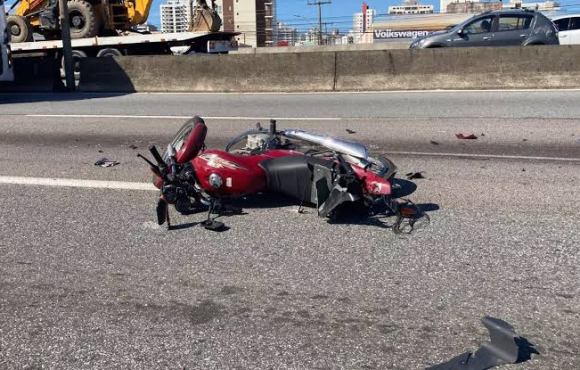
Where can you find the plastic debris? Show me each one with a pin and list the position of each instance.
(463, 136)
(133, 146)
(434, 142)
(415, 175)
(506, 347)
(350, 131)
(104, 162)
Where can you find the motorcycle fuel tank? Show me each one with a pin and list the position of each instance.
(225, 174)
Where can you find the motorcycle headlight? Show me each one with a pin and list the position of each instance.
(215, 180)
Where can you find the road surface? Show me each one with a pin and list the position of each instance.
(88, 280)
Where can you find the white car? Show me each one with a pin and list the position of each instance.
(568, 28)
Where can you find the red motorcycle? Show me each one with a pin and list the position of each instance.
(329, 173)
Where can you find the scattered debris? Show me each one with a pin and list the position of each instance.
(133, 146)
(415, 175)
(463, 136)
(434, 142)
(350, 131)
(104, 162)
(523, 170)
(506, 347)
(100, 151)
(524, 139)
(482, 134)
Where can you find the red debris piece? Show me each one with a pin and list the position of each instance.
(463, 136)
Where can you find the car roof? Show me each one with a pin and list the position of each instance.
(508, 11)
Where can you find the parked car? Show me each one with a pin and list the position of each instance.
(568, 28)
(495, 28)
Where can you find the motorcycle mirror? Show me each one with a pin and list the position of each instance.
(272, 127)
(154, 168)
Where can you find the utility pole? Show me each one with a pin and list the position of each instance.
(66, 45)
(319, 3)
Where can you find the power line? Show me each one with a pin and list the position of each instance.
(319, 4)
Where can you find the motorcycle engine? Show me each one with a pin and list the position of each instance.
(257, 142)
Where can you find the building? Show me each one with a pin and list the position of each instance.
(362, 22)
(410, 7)
(473, 7)
(545, 6)
(286, 36)
(175, 15)
(254, 19)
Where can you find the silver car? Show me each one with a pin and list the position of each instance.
(495, 28)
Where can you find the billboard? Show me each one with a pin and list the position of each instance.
(389, 34)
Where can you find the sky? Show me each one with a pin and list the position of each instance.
(338, 14)
(297, 13)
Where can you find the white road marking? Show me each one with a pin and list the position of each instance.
(182, 117)
(357, 92)
(485, 156)
(77, 183)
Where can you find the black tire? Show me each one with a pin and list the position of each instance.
(83, 19)
(19, 29)
(109, 52)
(77, 56)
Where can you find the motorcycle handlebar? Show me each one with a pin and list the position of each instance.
(155, 153)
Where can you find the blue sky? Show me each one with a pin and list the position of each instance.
(298, 14)
(338, 14)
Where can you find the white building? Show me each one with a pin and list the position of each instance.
(443, 4)
(362, 23)
(175, 15)
(410, 7)
(254, 19)
(546, 5)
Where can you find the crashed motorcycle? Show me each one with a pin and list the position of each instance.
(329, 173)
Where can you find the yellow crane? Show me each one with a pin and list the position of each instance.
(89, 18)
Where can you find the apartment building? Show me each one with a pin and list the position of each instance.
(175, 15)
(254, 19)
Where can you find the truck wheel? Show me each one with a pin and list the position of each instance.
(109, 52)
(19, 29)
(83, 19)
(77, 56)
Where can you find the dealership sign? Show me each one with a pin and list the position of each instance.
(389, 34)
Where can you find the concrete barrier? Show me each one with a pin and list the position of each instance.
(34, 75)
(207, 73)
(389, 45)
(459, 68)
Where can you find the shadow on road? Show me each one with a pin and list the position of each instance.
(18, 97)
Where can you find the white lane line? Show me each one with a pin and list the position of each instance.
(485, 156)
(77, 183)
(182, 117)
(358, 92)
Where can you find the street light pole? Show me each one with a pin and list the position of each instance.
(319, 4)
(66, 45)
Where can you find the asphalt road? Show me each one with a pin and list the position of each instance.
(88, 280)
